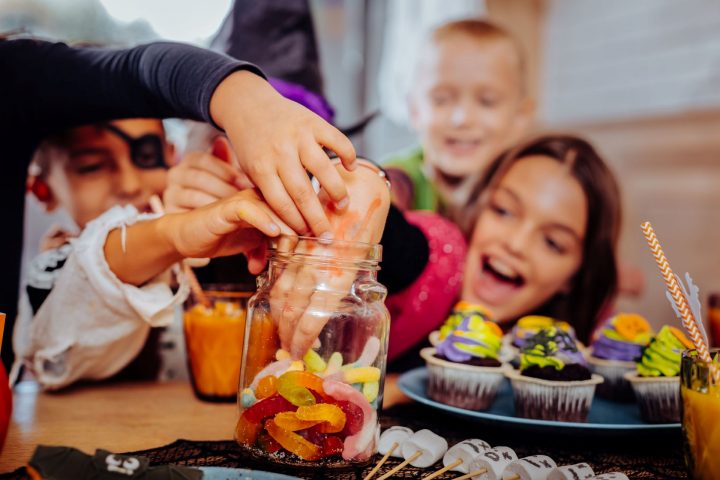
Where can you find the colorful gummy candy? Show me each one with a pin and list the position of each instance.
(308, 407)
(331, 416)
(293, 443)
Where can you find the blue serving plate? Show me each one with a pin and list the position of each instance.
(605, 415)
(221, 473)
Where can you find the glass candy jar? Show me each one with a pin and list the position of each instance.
(319, 405)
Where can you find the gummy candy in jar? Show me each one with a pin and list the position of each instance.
(314, 359)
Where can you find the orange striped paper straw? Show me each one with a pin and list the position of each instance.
(688, 319)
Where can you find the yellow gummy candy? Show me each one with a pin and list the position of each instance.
(371, 390)
(282, 355)
(314, 361)
(296, 366)
(362, 375)
(333, 364)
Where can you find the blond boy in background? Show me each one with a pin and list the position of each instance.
(467, 104)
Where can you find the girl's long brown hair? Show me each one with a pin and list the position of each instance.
(595, 283)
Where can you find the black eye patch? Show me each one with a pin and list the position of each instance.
(146, 151)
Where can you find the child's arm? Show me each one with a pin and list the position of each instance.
(237, 224)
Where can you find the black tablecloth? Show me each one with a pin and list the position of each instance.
(652, 456)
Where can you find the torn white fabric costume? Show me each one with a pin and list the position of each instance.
(91, 324)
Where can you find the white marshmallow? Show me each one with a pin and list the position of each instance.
(495, 460)
(465, 451)
(393, 435)
(431, 446)
(534, 467)
(610, 476)
(578, 471)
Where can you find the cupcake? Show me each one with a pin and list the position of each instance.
(460, 311)
(656, 381)
(554, 382)
(528, 326)
(614, 352)
(465, 369)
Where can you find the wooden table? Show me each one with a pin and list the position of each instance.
(118, 417)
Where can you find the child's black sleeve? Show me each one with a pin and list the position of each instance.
(405, 252)
(50, 86)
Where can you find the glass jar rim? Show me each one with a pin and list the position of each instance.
(692, 354)
(373, 250)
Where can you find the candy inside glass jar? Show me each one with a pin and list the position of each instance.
(320, 405)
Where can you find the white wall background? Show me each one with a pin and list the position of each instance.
(616, 59)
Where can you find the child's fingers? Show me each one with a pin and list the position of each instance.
(333, 139)
(213, 165)
(279, 199)
(177, 198)
(299, 187)
(316, 161)
(221, 149)
(243, 211)
(257, 258)
(309, 326)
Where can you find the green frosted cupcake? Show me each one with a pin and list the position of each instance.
(657, 380)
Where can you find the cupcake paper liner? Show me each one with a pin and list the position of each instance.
(552, 400)
(615, 387)
(658, 397)
(463, 386)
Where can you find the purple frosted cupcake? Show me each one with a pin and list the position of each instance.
(614, 353)
(554, 382)
(464, 369)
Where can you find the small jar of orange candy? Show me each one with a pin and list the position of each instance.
(317, 405)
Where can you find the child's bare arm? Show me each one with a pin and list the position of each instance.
(238, 224)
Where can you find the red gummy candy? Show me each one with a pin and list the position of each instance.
(354, 417)
(246, 432)
(268, 407)
(267, 443)
(312, 434)
(332, 445)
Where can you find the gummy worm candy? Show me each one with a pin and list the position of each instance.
(292, 442)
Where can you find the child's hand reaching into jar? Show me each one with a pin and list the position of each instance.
(304, 295)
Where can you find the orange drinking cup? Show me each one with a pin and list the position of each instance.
(700, 413)
(214, 340)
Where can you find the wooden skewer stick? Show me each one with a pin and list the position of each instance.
(514, 477)
(472, 474)
(393, 447)
(444, 469)
(401, 466)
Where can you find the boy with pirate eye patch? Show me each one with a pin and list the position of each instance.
(87, 171)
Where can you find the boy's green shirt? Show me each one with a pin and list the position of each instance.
(425, 196)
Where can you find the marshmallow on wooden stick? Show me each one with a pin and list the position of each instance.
(533, 467)
(459, 456)
(389, 446)
(490, 464)
(421, 450)
(464, 452)
(578, 471)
